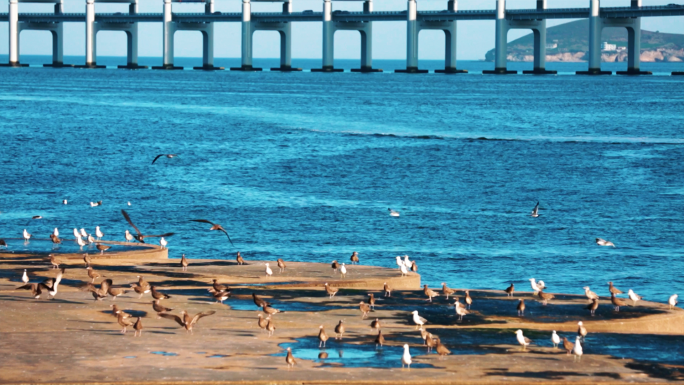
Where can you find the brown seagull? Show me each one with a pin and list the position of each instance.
(214, 226)
(139, 236)
(187, 321)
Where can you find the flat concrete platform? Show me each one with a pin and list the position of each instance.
(286, 69)
(677, 73)
(75, 339)
(451, 71)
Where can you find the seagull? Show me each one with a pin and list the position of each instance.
(365, 308)
(129, 203)
(593, 306)
(354, 258)
(140, 237)
(166, 155)
(138, 326)
(3, 243)
(387, 289)
(270, 310)
(406, 357)
(468, 300)
(447, 291)
(124, 322)
(55, 232)
(83, 233)
(672, 301)
(239, 259)
(187, 321)
(375, 324)
(159, 308)
(393, 213)
(339, 330)
(76, 234)
(568, 346)
(80, 242)
(603, 242)
(129, 236)
(322, 337)
(407, 263)
(343, 270)
(158, 295)
(53, 261)
(379, 340)
(521, 307)
(522, 340)
(414, 267)
(541, 285)
(91, 240)
(269, 272)
(460, 310)
(577, 351)
(92, 274)
(590, 294)
(581, 330)
(510, 290)
(95, 204)
(617, 302)
(429, 292)
(184, 263)
(98, 233)
(55, 240)
(418, 320)
(214, 226)
(101, 247)
(634, 297)
(441, 349)
(535, 211)
(534, 285)
(27, 236)
(25, 279)
(400, 263)
(270, 327)
(163, 242)
(403, 270)
(289, 359)
(281, 265)
(613, 289)
(555, 339)
(546, 297)
(331, 291)
(262, 322)
(64, 202)
(371, 301)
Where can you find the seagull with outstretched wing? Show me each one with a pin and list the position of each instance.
(139, 236)
(214, 226)
(187, 321)
(166, 155)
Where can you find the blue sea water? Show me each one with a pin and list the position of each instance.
(303, 166)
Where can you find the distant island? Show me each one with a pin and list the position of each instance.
(570, 42)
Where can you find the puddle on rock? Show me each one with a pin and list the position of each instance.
(349, 355)
(161, 353)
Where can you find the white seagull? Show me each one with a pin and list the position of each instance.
(633, 296)
(534, 285)
(522, 340)
(76, 234)
(27, 236)
(55, 232)
(418, 320)
(269, 272)
(404, 270)
(603, 242)
(129, 236)
(672, 301)
(555, 339)
(407, 263)
(52, 292)
(535, 212)
(24, 278)
(400, 263)
(91, 240)
(577, 351)
(163, 242)
(406, 357)
(83, 233)
(393, 213)
(460, 310)
(129, 203)
(64, 201)
(80, 242)
(98, 233)
(541, 285)
(343, 270)
(590, 294)
(95, 204)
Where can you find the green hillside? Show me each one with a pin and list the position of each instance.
(574, 36)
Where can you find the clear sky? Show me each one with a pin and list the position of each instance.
(475, 38)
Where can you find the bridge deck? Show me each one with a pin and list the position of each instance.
(355, 17)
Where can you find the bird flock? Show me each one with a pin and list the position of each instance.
(106, 288)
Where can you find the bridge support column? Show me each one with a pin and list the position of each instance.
(247, 32)
(501, 46)
(634, 47)
(367, 42)
(286, 43)
(450, 35)
(58, 41)
(412, 40)
(328, 41)
(540, 45)
(91, 35)
(208, 41)
(595, 30)
(132, 42)
(14, 35)
(169, 29)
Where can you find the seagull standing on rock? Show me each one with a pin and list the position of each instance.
(55, 232)
(25, 279)
(404, 271)
(269, 272)
(555, 339)
(522, 340)
(577, 351)
(343, 270)
(26, 235)
(534, 285)
(418, 320)
(98, 233)
(163, 242)
(406, 357)
(633, 296)
(672, 301)
(590, 294)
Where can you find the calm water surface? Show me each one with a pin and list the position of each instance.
(303, 166)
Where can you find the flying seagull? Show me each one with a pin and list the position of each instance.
(187, 321)
(535, 211)
(393, 213)
(214, 226)
(139, 236)
(166, 155)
